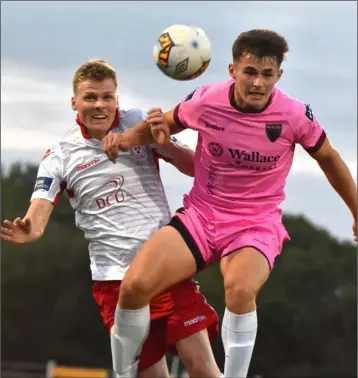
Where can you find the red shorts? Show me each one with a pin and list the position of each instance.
(175, 315)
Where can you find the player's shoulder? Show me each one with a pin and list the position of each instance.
(209, 90)
(293, 107)
(70, 137)
(129, 117)
(52, 153)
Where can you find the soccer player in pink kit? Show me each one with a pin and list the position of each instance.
(247, 132)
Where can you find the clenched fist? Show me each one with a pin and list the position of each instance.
(113, 143)
(158, 125)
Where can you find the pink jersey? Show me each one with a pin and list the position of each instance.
(243, 159)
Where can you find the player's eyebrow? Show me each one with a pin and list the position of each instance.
(250, 68)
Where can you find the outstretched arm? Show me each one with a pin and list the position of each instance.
(179, 155)
(339, 177)
(31, 227)
(156, 128)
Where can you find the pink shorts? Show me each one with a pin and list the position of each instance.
(209, 240)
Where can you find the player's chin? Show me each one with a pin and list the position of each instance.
(256, 103)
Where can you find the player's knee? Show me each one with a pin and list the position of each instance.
(240, 296)
(198, 366)
(134, 290)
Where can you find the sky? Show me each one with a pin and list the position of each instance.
(43, 43)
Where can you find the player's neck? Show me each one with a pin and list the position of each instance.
(94, 135)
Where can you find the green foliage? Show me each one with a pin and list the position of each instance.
(307, 310)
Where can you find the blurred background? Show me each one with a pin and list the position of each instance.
(308, 309)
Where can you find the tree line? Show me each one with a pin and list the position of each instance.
(307, 311)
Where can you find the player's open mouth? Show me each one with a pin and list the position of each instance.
(256, 95)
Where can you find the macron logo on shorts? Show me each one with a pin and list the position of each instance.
(194, 320)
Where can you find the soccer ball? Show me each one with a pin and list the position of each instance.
(183, 52)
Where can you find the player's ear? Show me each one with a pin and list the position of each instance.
(232, 70)
(280, 72)
(73, 103)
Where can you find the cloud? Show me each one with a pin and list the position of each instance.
(46, 115)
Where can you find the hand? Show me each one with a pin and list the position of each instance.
(355, 229)
(113, 143)
(159, 126)
(19, 231)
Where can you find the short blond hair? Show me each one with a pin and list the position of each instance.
(94, 69)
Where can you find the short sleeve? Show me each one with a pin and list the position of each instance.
(129, 118)
(308, 131)
(187, 113)
(49, 182)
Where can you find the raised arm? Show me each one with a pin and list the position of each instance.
(313, 139)
(48, 187)
(339, 176)
(31, 227)
(179, 155)
(155, 128)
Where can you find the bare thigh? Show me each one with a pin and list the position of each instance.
(163, 261)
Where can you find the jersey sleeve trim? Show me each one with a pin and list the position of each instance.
(318, 144)
(176, 117)
(55, 199)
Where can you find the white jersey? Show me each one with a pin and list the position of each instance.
(118, 206)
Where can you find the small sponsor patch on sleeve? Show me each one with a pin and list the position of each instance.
(177, 141)
(47, 153)
(190, 95)
(43, 183)
(309, 113)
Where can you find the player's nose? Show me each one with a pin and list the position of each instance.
(99, 104)
(258, 82)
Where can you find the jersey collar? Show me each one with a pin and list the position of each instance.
(83, 127)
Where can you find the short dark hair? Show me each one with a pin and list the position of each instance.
(94, 69)
(261, 43)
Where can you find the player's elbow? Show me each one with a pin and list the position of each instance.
(185, 167)
(190, 171)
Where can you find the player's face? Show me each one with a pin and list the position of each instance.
(254, 80)
(96, 103)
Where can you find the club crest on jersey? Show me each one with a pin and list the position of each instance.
(139, 153)
(215, 149)
(273, 131)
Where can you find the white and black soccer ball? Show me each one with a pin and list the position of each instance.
(183, 52)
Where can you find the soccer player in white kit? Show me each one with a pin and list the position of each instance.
(119, 206)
